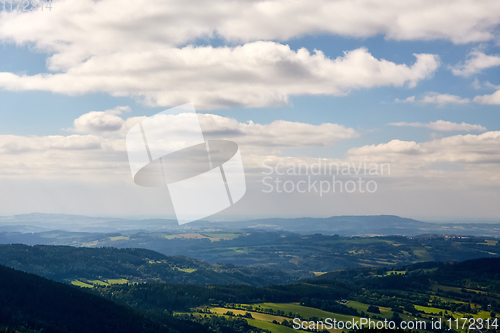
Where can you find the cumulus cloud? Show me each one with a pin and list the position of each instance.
(443, 99)
(467, 149)
(100, 149)
(19, 144)
(124, 49)
(460, 162)
(476, 62)
(492, 99)
(113, 25)
(254, 75)
(89, 158)
(467, 162)
(278, 134)
(435, 98)
(100, 121)
(128, 50)
(443, 125)
(98, 156)
(97, 162)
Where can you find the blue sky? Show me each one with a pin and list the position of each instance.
(257, 67)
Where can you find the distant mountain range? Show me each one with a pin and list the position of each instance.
(37, 222)
(240, 257)
(342, 225)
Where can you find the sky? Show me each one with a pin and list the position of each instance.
(412, 86)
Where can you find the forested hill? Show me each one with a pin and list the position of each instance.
(29, 302)
(421, 290)
(482, 269)
(107, 265)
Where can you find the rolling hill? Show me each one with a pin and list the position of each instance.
(111, 265)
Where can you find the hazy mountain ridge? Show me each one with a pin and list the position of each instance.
(256, 258)
(383, 225)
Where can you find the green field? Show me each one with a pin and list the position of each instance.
(395, 273)
(422, 254)
(455, 289)
(274, 328)
(170, 236)
(98, 282)
(187, 270)
(445, 299)
(117, 238)
(384, 312)
(429, 309)
(265, 325)
(265, 321)
(117, 281)
(91, 283)
(489, 242)
(243, 250)
(304, 311)
(256, 315)
(81, 284)
(364, 241)
(222, 236)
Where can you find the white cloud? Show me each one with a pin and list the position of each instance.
(467, 149)
(128, 50)
(99, 156)
(100, 150)
(100, 121)
(254, 75)
(77, 173)
(475, 84)
(113, 25)
(410, 99)
(445, 126)
(443, 99)
(278, 134)
(493, 99)
(476, 63)
(490, 85)
(462, 164)
(14, 144)
(435, 98)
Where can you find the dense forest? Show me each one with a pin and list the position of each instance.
(145, 302)
(29, 302)
(67, 263)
